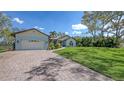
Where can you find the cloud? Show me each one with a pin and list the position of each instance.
(16, 19)
(38, 27)
(66, 33)
(76, 33)
(79, 27)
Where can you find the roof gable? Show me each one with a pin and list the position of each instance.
(66, 37)
(30, 30)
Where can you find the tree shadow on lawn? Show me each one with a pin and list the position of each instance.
(48, 69)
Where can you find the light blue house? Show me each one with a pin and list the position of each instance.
(66, 41)
(33, 39)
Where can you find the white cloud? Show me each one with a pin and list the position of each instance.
(66, 33)
(16, 19)
(76, 33)
(79, 27)
(38, 27)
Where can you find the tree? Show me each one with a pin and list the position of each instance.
(5, 29)
(8, 38)
(60, 34)
(5, 22)
(105, 22)
(78, 40)
(89, 20)
(97, 22)
(118, 24)
(53, 35)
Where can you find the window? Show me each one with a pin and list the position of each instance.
(71, 43)
(17, 41)
(34, 40)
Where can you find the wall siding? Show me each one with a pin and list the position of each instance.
(68, 42)
(30, 35)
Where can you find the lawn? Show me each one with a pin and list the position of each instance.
(108, 61)
(3, 48)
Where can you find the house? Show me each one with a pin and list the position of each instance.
(66, 41)
(2, 39)
(33, 39)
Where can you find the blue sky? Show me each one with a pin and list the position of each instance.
(46, 21)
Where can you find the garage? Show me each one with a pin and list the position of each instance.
(32, 44)
(31, 39)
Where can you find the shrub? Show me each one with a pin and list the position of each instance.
(51, 46)
(58, 45)
(99, 42)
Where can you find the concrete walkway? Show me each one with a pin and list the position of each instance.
(43, 65)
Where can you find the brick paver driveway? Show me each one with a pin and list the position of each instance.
(42, 65)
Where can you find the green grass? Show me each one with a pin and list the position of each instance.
(3, 48)
(108, 61)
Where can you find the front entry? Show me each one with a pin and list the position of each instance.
(71, 43)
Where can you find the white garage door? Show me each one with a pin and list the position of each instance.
(32, 44)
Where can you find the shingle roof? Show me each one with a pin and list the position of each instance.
(29, 30)
(65, 38)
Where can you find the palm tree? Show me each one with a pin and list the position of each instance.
(53, 35)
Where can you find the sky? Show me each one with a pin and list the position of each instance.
(68, 22)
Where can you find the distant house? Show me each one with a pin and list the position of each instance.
(3, 40)
(33, 39)
(66, 41)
